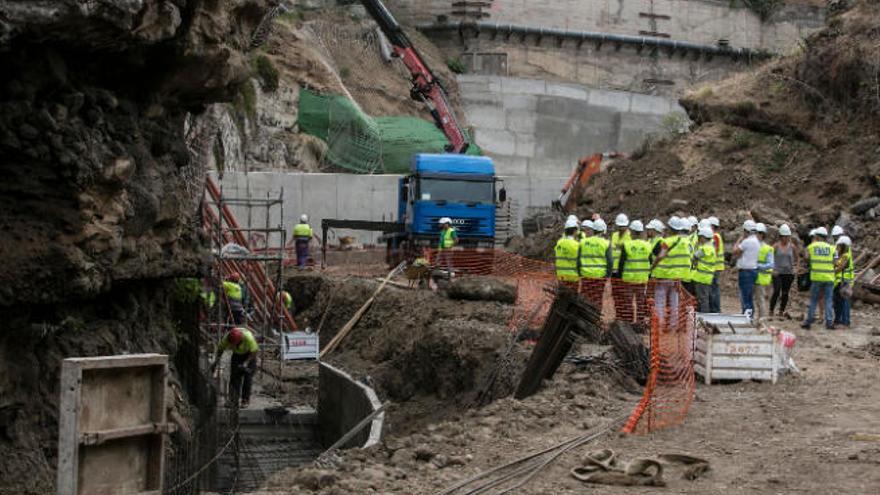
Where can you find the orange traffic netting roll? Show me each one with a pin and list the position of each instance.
(663, 306)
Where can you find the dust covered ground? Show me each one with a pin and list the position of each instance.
(799, 436)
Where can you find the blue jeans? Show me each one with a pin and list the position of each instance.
(666, 291)
(715, 296)
(747, 280)
(841, 306)
(815, 288)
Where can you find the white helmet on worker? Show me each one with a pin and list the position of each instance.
(673, 222)
(713, 221)
(599, 225)
(573, 217)
(622, 220)
(637, 226)
(571, 223)
(821, 231)
(704, 223)
(657, 225)
(693, 221)
(706, 231)
(785, 230)
(837, 230)
(587, 224)
(304, 218)
(749, 226)
(445, 221)
(760, 227)
(845, 240)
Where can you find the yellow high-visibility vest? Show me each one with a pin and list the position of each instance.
(637, 266)
(566, 259)
(821, 262)
(594, 263)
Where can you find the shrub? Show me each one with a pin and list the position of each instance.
(267, 73)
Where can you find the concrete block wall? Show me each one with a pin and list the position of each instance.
(343, 402)
(699, 21)
(536, 128)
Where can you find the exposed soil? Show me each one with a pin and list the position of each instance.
(798, 436)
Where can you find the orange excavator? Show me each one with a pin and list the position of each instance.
(587, 167)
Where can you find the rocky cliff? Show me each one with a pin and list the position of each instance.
(99, 123)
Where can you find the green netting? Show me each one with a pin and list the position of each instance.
(364, 144)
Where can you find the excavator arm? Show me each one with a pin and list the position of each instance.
(425, 86)
(587, 167)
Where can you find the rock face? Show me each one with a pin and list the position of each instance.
(98, 183)
(102, 160)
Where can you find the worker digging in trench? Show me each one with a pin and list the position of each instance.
(244, 349)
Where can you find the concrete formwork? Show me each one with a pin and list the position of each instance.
(343, 402)
(112, 426)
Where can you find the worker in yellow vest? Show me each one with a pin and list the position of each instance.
(820, 258)
(765, 272)
(233, 293)
(244, 347)
(671, 265)
(448, 240)
(596, 261)
(688, 280)
(566, 253)
(302, 236)
(655, 230)
(704, 268)
(635, 269)
(844, 273)
(719, 264)
(620, 236)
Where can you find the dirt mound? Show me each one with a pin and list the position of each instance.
(796, 140)
(426, 353)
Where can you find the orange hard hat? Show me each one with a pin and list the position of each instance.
(235, 336)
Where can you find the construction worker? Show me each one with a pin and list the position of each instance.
(672, 263)
(635, 269)
(287, 301)
(704, 267)
(655, 230)
(566, 253)
(719, 264)
(745, 252)
(234, 297)
(448, 240)
(243, 365)
(691, 236)
(620, 236)
(786, 262)
(765, 272)
(596, 262)
(579, 235)
(302, 236)
(820, 257)
(844, 273)
(836, 232)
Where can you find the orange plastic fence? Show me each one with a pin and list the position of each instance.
(664, 307)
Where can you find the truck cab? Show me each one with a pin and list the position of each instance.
(461, 187)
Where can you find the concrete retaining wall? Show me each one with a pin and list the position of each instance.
(344, 402)
(699, 21)
(356, 197)
(540, 129)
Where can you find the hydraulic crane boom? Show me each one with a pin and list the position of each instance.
(425, 86)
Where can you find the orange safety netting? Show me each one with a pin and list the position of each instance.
(665, 307)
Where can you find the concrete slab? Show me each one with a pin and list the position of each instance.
(647, 104)
(510, 85)
(525, 145)
(511, 165)
(521, 121)
(486, 117)
(519, 102)
(495, 141)
(618, 100)
(482, 98)
(572, 91)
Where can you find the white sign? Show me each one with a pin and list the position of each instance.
(299, 345)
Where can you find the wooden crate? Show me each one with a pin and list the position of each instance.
(736, 356)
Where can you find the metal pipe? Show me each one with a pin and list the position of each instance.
(597, 37)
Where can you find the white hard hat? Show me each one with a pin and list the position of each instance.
(837, 230)
(713, 221)
(445, 220)
(599, 225)
(656, 225)
(704, 223)
(676, 223)
(571, 223)
(822, 231)
(573, 217)
(706, 232)
(812, 232)
(760, 227)
(303, 218)
(587, 224)
(622, 220)
(784, 230)
(637, 226)
(749, 226)
(845, 240)
(693, 220)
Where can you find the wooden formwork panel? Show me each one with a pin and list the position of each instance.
(112, 425)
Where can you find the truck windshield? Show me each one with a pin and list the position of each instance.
(462, 191)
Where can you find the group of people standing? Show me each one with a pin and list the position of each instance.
(689, 253)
